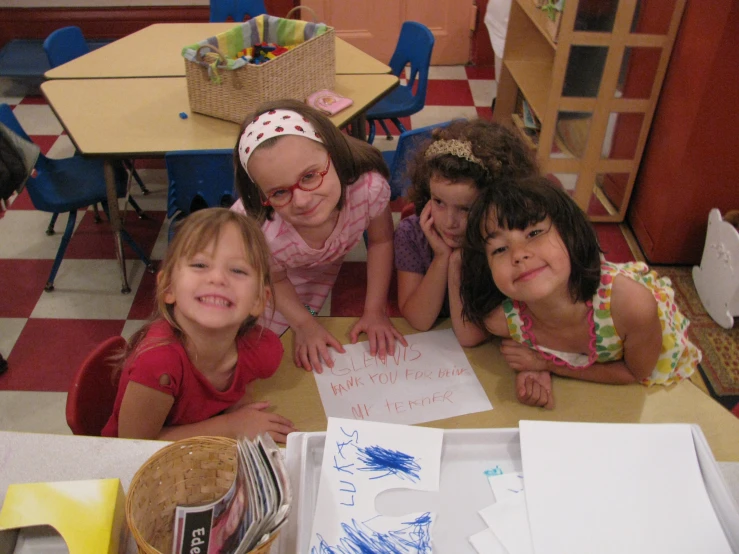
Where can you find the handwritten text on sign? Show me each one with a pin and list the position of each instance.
(430, 379)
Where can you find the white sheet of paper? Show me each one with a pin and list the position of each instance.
(361, 459)
(510, 523)
(506, 485)
(428, 380)
(612, 488)
(485, 542)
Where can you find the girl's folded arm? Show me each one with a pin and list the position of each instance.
(634, 312)
(421, 296)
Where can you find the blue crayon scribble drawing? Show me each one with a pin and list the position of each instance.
(414, 538)
(389, 462)
(495, 471)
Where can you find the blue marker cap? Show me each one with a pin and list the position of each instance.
(183, 115)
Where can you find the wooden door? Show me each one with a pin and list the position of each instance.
(374, 25)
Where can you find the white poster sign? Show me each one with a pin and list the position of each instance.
(428, 380)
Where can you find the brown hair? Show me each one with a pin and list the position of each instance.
(351, 157)
(504, 156)
(517, 205)
(193, 235)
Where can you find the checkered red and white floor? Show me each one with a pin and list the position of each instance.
(44, 336)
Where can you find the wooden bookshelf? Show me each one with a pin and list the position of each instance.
(593, 69)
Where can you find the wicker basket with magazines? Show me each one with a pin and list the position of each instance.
(223, 84)
(190, 472)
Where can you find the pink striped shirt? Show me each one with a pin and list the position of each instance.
(313, 271)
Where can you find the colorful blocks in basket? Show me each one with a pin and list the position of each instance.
(88, 515)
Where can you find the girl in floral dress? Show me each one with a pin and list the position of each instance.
(532, 272)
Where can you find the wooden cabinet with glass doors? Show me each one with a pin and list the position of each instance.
(590, 94)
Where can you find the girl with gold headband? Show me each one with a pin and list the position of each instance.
(447, 176)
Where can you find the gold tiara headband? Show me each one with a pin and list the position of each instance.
(459, 148)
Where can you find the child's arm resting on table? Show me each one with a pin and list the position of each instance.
(634, 312)
(311, 342)
(144, 412)
(534, 388)
(374, 321)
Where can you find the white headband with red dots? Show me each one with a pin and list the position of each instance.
(274, 123)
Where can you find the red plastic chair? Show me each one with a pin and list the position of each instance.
(92, 395)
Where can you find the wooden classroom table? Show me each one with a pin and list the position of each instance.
(294, 394)
(156, 51)
(141, 117)
(137, 118)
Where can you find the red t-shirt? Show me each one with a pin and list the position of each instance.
(195, 398)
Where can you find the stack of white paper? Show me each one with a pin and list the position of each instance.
(606, 488)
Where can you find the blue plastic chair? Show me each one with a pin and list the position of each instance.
(238, 10)
(397, 160)
(198, 179)
(65, 45)
(68, 185)
(414, 47)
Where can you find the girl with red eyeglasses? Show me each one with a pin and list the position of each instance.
(316, 191)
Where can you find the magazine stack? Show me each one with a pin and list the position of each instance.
(249, 515)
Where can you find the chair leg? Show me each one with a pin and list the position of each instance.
(398, 124)
(50, 229)
(135, 174)
(371, 136)
(98, 219)
(139, 212)
(137, 249)
(62, 249)
(387, 131)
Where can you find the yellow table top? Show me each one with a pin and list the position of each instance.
(294, 394)
(140, 117)
(155, 51)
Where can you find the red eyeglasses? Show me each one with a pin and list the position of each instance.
(308, 182)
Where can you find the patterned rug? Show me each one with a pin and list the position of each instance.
(720, 347)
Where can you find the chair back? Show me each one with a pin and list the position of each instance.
(222, 10)
(414, 47)
(408, 144)
(92, 395)
(7, 118)
(199, 179)
(64, 45)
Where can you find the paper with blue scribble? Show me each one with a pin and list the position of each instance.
(361, 459)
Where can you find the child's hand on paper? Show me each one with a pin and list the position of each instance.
(310, 346)
(252, 420)
(534, 388)
(381, 334)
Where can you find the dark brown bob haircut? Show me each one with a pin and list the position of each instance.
(518, 205)
(350, 156)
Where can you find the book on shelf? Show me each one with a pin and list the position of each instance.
(247, 516)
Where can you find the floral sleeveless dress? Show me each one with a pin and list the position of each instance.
(678, 357)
